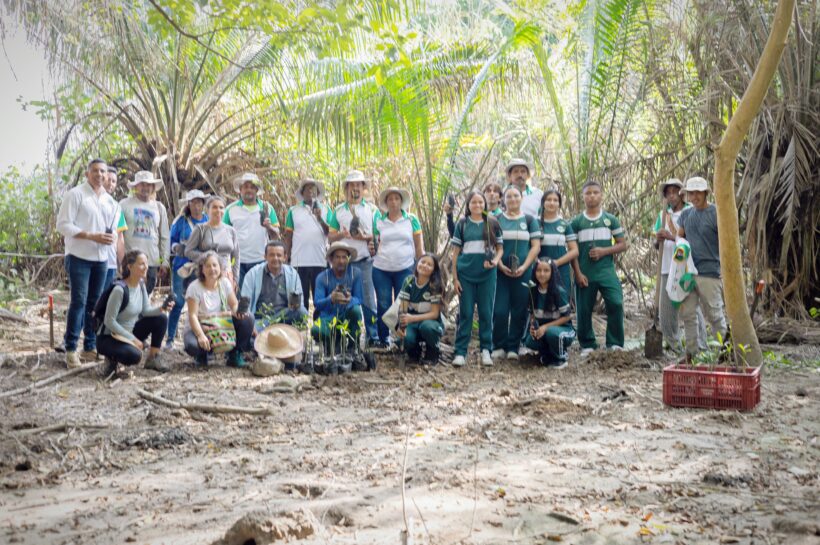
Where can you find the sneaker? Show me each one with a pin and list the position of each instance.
(615, 348)
(88, 356)
(169, 344)
(586, 352)
(524, 351)
(156, 363)
(109, 367)
(560, 364)
(235, 359)
(486, 359)
(497, 354)
(512, 356)
(72, 359)
(458, 361)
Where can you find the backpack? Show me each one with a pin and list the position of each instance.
(98, 314)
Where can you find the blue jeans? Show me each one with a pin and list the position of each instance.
(388, 284)
(109, 278)
(178, 285)
(365, 266)
(243, 270)
(86, 280)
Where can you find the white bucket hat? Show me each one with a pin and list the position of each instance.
(696, 183)
(306, 182)
(246, 177)
(145, 177)
(519, 163)
(355, 176)
(280, 341)
(671, 181)
(405, 197)
(340, 245)
(195, 194)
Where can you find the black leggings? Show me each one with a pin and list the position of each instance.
(244, 332)
(128, 354)
(307, 277)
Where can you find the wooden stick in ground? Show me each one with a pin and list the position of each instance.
(58, 427)
(53, 378)
(203, 407)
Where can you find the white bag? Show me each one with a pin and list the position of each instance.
(391, 316)
(682, 273)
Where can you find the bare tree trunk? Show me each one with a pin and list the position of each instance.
(737, 310)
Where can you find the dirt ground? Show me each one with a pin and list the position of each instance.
(510, 454)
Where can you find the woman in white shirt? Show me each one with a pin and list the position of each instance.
(398, 235)
(211, 295)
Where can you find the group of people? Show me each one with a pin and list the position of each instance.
(238, 272)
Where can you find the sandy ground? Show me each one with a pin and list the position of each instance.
(596, 458)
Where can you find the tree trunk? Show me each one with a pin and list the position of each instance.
(743, 332)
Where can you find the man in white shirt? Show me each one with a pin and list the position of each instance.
(519, 174)
(254, 221)
(306, 229)
(149, 231)
(87, 219)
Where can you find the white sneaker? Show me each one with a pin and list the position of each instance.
(512, 356)
(615, 348)
(497, 354)
(524, 351)
(72, 360)
(586, 352)
(458, 361)
(486, 360)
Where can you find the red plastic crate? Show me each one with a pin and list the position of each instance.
(703, 387)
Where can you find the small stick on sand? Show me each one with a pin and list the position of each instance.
(52, 378)
(203, 407)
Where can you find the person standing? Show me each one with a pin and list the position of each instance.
(519, 174)
(215, 236)
(117, 251)
(595, 269)
(698, 225)
(274, 290)
(148, 225)
(306, 229)
(254, 220)
(193, 214)
(559, 242)
(399, 246)
(478, 246)
(522, 242)
(87, 219)
(358, 235)
(666, 231)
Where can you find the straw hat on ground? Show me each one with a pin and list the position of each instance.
(279, 341)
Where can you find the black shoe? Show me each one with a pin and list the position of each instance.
(413, 355)
(60, 348)
(431, 356)
(370, 359)
(202, 360)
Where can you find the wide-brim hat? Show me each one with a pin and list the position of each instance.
(671, 181)
(195, 194)
(279, 341)
(518, 163)
(405, 197)
(145, 177)
(307, 182)
(355, 176)
(696, 183)
(246, 177)
(340, 245)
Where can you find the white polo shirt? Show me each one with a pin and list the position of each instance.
(396, 248)
(84, 210)
(250, 234)
(531, 200)
(342, 217)
(309, 242)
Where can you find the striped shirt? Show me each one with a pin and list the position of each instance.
(469, 236)
(598, 232)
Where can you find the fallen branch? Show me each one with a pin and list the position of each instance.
(59, 427)
(203, 407)
(53, 378)
(9, 315)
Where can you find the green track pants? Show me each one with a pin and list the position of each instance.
(610, 288)
(429, 331)
(552, 347)
(474, 294)
(512, 303)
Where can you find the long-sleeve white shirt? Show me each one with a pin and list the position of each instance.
(83, 209)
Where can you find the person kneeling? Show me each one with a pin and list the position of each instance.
(551, 331)
(214, 323)
(338, 299)
(420, 310)
(129, 319)
(274, 290)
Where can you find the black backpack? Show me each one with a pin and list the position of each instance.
(98, 314)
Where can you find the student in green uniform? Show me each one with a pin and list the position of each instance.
(477, 248)
(522, 242)
(595, 270)
(420, 310)
(492, 192)
(559, 241)
(551, 331)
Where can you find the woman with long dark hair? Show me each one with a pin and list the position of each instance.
(550, 332)
(558, 242)
(420, 314)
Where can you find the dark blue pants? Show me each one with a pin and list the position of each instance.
(388, 284)
(179, 285)
(86, 280)
(243, 270)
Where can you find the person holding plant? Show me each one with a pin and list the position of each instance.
(193, 213)
(274, 290)
(559, 242)
(338, 300)
(478, 246)
(595, 269)
(398, 234)
(125, 328)
(551, 332)
(522, 242)
(215, 236)
(215, 324)
(420, 311)
(492, 193)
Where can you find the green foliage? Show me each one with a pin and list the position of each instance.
(25, 212)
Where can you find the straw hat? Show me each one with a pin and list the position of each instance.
(246, 177)
(306, 182)
(671, 181)
(355, 176)
(696, 183)
(280, 341)
(405, 197)
(145, 177)
(518, 163)
(340, 245)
